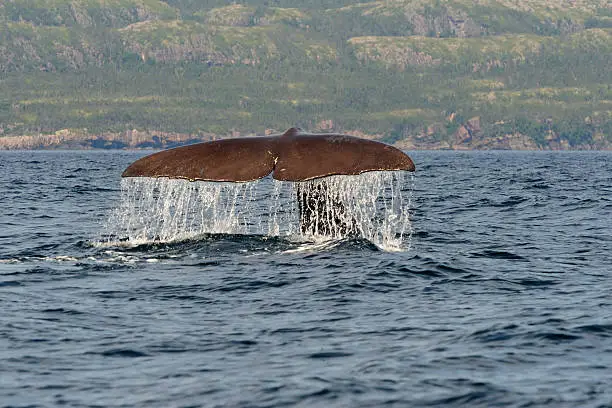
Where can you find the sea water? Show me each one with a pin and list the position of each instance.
(501, 299)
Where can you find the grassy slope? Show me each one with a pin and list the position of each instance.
(400, 69)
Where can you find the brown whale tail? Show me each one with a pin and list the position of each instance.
(292, 156)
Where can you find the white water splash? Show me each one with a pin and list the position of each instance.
(375, 205)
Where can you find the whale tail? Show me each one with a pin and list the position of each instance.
(292, 156)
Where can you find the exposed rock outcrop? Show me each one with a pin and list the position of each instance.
(80, 139)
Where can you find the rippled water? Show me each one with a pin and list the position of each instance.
(504, 298)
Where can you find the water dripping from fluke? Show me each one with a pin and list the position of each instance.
(372, 206)
(322, 188)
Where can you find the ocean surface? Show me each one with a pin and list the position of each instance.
(501, 297)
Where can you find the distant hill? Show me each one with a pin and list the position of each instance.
(492, 74)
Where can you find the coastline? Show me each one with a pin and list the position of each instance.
(145, 140)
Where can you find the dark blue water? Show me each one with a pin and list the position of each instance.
(504, 299)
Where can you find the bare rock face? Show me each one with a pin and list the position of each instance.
(446, 22)
(325, 124)
(79, 139)
(462, 135)
(473, 125)
(519, 141)
(514, 141)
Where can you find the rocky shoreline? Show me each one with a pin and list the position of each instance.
(463, 139)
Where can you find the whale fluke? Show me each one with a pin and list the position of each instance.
(292, 156)
(244, 159)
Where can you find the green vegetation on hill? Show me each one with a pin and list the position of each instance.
(86, 13)
(424, 73)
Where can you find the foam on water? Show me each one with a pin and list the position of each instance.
(375, 206)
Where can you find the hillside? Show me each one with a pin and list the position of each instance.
(504, 74)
